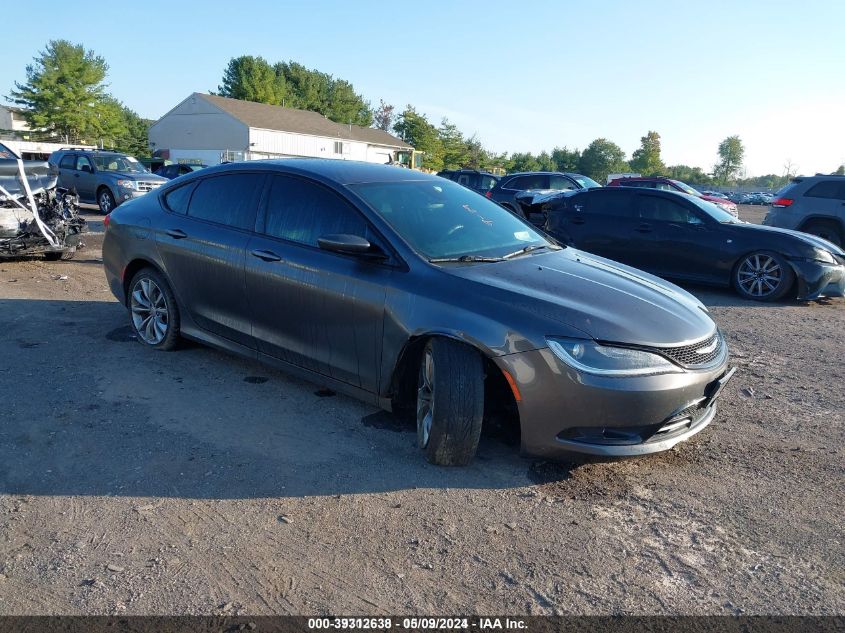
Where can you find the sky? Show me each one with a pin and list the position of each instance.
(523, 76)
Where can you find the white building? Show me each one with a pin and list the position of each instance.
(210, 129)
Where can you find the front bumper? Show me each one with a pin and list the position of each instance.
(817, 278)
(564, 411)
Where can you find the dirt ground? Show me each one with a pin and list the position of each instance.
(136, 482)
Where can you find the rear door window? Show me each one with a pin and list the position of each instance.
(302, 211)
(604, 202)
(827, 189)
(68, 161)
(177, 199)
(534, 181)
(231, 199)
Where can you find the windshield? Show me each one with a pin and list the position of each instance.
(443, 219)
(585, 182)
(685, 188)
(714, 211)
(126, 164)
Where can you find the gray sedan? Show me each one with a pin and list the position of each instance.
(417, 294)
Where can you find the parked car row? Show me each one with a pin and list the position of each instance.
(417, 294)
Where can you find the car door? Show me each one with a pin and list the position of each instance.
(681, 241)
(67, 171)
(84, 179)
(202, 242)
(313, 308)
(603, 221)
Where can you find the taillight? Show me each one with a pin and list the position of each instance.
(782, 202)
(106, 220)
(488, 194)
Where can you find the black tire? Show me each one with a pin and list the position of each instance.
(763, 276)
(454, 402)
(105, 200)
(825, 230)
(147, 330)
(55, 256)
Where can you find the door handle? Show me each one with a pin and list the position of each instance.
(177, 234)
(267, 256)
(643, 228)
(577, 220)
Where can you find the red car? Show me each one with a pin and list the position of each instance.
(667, 184)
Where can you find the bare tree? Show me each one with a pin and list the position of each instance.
(790, 169)
(384, 116)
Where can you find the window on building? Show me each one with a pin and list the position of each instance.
(338, 147)
(302, 211)
(231, 199)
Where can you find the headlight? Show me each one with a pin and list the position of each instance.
(591, 358)
(821, 255)
(127, 184)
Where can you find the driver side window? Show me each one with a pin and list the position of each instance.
(659, 209)
(302, 211)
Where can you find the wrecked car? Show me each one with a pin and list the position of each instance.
(36, 216)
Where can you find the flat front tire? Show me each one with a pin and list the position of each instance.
(153, 313)
(450, 402)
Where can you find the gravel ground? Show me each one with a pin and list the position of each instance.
(136, 482)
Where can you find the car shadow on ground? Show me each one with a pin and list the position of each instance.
(727, 298)
(88, 411)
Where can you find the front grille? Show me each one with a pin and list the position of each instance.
(148, 186)
(693, 356)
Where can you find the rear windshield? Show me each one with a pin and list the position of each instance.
(780, 193)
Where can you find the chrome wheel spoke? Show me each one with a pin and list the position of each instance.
(150, 316)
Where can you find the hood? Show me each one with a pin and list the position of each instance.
(805, 239)
(605, 300)
(134, 175)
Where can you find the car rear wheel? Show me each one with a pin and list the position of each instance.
(826, 231)
(105, 201)
(153, 312)
(450, 402)
(763, 276)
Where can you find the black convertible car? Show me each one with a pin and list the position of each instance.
(682, 237)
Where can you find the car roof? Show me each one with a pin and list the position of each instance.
(344, 172)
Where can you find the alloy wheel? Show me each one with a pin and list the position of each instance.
(425, 399)
(150, 314)
(105, 202)
(759, 275)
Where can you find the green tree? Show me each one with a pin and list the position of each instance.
(415, 129)
(252, 79)
(64, 92)
(689, 175)
(455, 150)
(840, 171)
(523, 161)
(731, 153)
(646, 160)
(345, 106)
(564, 159)
(600, 158)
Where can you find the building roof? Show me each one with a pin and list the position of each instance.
(273, 117)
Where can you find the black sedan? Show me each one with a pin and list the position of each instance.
(682, 237)
(413, 292)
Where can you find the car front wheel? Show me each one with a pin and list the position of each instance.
(153, 313)
(763, 276)
(105, 200)
(450, 402)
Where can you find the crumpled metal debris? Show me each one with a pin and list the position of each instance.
(36, 217)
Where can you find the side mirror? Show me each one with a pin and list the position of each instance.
(86, 168)
(350, 245)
